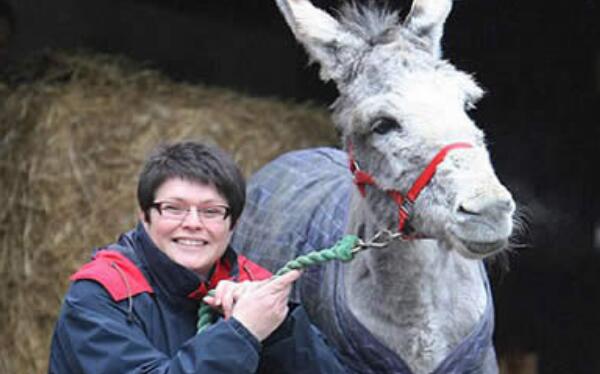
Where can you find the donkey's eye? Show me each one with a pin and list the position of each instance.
(384, 125)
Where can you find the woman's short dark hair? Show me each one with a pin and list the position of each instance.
(194, 162)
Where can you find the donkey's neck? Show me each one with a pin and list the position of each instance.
(418, 299)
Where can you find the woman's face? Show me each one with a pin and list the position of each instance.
(181, 229)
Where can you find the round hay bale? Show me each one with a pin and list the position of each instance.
(74, 129)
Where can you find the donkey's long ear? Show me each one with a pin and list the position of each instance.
(426, 19)
(324, 38)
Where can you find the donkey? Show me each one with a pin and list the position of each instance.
(426, 195)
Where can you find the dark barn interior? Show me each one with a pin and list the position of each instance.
(538, 60)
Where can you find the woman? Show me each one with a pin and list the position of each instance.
(133, 308)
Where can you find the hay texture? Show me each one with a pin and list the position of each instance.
(74, 130)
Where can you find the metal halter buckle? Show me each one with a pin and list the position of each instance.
(407, 206)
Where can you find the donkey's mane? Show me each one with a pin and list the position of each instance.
(371, 22)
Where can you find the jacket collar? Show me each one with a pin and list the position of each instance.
(174, 279)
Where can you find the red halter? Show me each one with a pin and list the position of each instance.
(404, 202)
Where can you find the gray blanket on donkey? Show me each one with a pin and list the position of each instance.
(296, 204)
(299, 203)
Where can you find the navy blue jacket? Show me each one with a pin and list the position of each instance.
(117, 321)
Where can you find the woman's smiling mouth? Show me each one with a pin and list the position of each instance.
(190, 242)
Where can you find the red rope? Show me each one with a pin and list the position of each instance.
(404, 202)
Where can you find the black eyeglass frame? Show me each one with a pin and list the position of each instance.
(157, 204)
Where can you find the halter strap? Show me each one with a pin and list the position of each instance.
(404, 202)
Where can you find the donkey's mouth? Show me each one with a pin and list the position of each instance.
(485, 249)
(479, 250)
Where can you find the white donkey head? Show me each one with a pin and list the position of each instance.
(400, 104)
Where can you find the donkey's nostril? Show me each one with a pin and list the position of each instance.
(464, 210)
(491, 206)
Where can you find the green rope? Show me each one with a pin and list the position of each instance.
(342, 250)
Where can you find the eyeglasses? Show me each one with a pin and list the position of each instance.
(179, 212)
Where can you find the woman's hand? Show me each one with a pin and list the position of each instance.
(228, 292)
(260, 306)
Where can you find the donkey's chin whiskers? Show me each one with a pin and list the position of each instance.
(519, 246)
